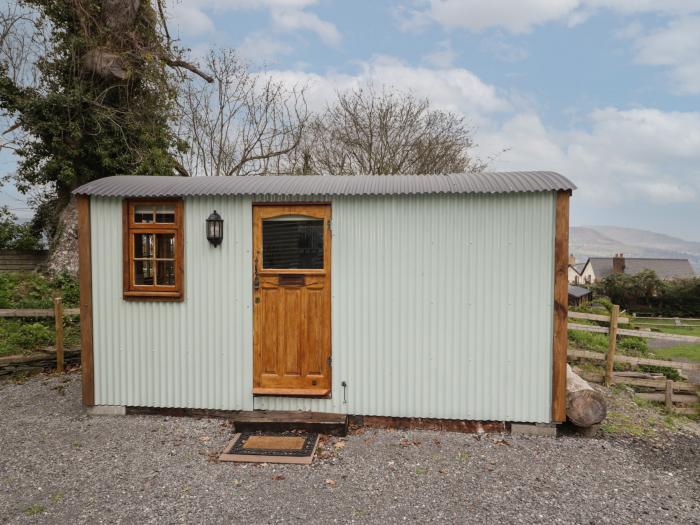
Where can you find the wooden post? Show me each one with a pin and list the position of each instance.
(668, 398)
(612, 344)
(58, 319)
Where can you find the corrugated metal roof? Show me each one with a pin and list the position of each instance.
(488, 182)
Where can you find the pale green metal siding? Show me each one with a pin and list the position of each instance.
(191, 354)
(442, 307)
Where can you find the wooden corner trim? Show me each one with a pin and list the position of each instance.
(561, 308)
(85, 278)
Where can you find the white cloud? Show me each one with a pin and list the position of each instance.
(291, 20)
(520, 16)
(640, 154)
(192, 17)
(443, 56)
(453, 89)
(261, 48)
(189, 20)
(676, 46)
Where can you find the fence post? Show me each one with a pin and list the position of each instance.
(612, 344)
(58, 318)
(668, 397)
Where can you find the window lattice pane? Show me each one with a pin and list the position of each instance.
(165, 245)
(143, 273)
(143, 245)
(165, 213)
(143, 214)
(166, 273)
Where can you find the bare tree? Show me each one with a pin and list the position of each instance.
(23, 39)
(381, 132)
(243, 123)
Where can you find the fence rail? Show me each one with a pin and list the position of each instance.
(57, 312)
(672, 392)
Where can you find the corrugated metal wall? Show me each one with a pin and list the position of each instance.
(442, 307)
(192, 354)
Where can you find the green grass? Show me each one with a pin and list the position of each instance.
(691, 352)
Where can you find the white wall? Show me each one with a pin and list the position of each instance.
(428, 318)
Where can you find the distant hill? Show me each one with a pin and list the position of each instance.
(605, 241)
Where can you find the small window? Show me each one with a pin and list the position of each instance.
(292, 243)
(153, 250)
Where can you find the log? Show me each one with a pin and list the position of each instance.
(584, 405)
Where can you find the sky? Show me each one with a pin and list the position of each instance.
(606, 92)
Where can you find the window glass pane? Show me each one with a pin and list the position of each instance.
(165, 213)
(143, 245)
(143, 213)
(143, 273)
(166, 272)
(165, 245)
(293, 244)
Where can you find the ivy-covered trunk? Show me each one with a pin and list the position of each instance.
(63, 253)
(103, 105)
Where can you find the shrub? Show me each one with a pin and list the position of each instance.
(634, 344)
(31, 336)
(588, 340)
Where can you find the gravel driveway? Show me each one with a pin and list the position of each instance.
(58, 465)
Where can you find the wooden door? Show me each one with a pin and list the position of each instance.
(292, 300)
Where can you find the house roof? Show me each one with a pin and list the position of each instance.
(664, 268)
(578, 291)
(578, 267)
(326, 185)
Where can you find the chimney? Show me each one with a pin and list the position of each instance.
(618, 263)
(572, 259)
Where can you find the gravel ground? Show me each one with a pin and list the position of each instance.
(59, 465)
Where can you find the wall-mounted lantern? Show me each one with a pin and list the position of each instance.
(215, 229)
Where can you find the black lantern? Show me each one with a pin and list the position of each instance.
(215, 229)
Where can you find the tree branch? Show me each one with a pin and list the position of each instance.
(177, 63)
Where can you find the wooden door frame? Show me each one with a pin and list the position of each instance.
(294, 209)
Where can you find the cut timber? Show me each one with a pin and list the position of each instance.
(636, 361)
(584, 406)
(281, 421)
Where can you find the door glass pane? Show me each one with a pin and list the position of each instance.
(143, 273)
(293, 244)
(143, 213)
(166, 272)
(165, 213)
(165, 245)
(143, 245)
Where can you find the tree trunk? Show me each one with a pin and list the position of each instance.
(584, 406)
(63, 256)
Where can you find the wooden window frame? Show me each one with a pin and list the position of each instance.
(155, 292)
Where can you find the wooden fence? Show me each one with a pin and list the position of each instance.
(671, 392)
(22, 260)
(58, 313)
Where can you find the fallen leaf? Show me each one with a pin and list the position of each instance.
(339, 444)
(277, 477)
(442, 471)
(331, 482)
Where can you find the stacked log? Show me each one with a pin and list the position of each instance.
(585, 406)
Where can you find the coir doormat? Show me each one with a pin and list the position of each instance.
(271, 447)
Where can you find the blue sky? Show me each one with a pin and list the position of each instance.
(604, 91)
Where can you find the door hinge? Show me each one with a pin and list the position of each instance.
(330, 360)
(330, 228)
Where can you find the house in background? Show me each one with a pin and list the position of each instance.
(598, 268)
(575, 270)
(578, 295)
